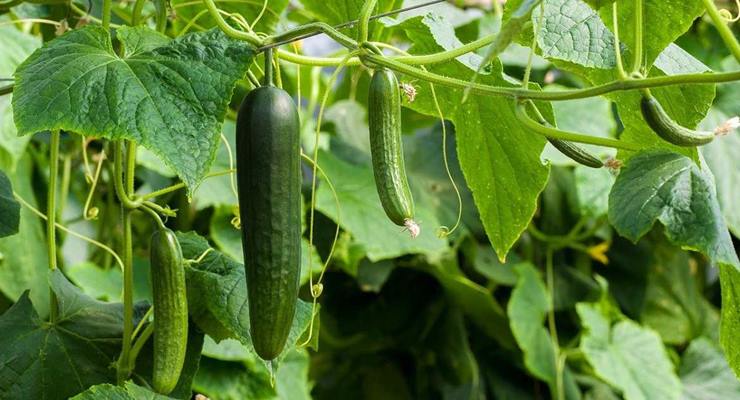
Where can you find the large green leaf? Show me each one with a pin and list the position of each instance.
(169, 96)
(573, 32)
(723, 158)
(55, 360)
(10, 209)
(527, 308)
(670, 188)
(499, 158)
(24, 261)
(705, 374)
(15, 46)
(217, 295)
(629, 357)
(129, 391)
(362, 215)
(729, 279)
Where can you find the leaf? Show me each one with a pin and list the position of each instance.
(527, 308)
(670, 188)
(250, 379)
(593, 186)
(175, 95)
(129, 391)
(673, 303)
(517, 14)
(10, 209)
(574, 32)
(723, 158)
(363, 216)
(705, 374)
(55, 360)
(15, 46)
(23, 257)
(217, 293)
(729, 279)
(627, 356)
(499, 158)
(336, 12)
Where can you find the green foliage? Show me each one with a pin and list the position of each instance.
(167, 116)
(560, 281)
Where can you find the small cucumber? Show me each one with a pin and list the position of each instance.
(170, 310)
(670, 131)
(269, 179)
(569, 149)
(576, 153)
(384, 120)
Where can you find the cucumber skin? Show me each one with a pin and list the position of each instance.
(170, 310)
(386, 148)
(269, 180)
(576, 153)
(662, 124)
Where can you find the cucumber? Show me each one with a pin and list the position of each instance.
(384, 120)
(569, 149)
(170, 310)
(670, 131)
(576, 153)
(269, 185)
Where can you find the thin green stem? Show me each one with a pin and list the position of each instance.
(181, 185)
(227, 29)
(520, 93)
(139, 344)
(68, 231)
(106, 14)
(637, 60)
(64, 189)
(723, 29)
(268, 81)
(121, 191)
(552, 327)
(553, 133)
(161, 15)
(363, 24)
(617, 44)
(51, 243)
(530, 58)
(144, 320)
(136, 13)
(124, 368)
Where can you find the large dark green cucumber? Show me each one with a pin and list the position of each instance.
(269, 180)
(170, 310)
(384, 119)
(670, 131)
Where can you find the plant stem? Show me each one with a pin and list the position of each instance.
(555, 95)
(121, 191)
(364, 20)
(106, 14)
(51, 243)
(724, 31)
(637, 60)
(552, 327)
(617, 44)
(181, 185)
(124, 364)
(136, 13)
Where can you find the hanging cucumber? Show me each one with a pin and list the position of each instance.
(384, 119)
(269, 183)
(569, 149)
(670, 131)
(170, 310)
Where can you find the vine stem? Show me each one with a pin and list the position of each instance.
(136, 13)
(618, 85)
(181, 185)
(617, 44)
(724, 31)
(363, 24)
(637, 60)
(124, 364)
(552, 327)
(51, 242)
(106, 14)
